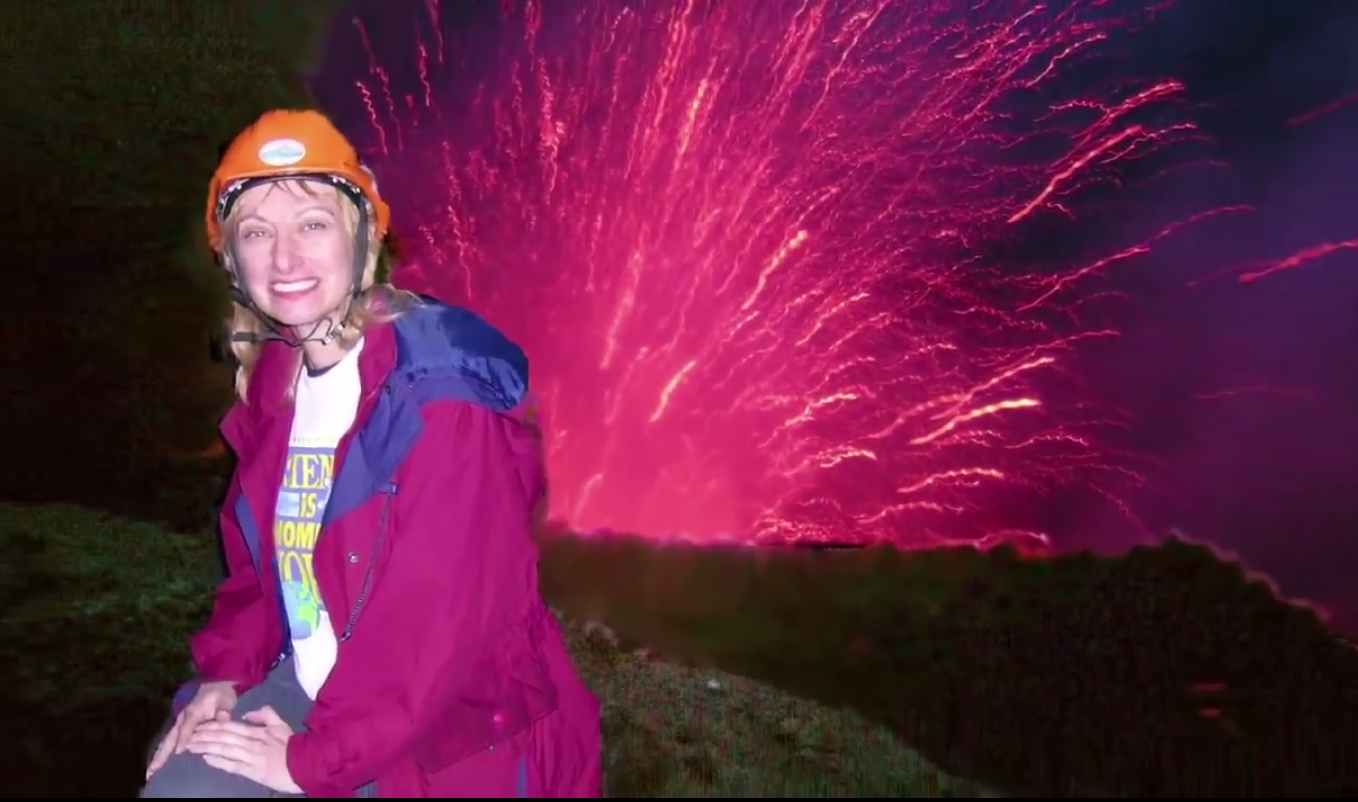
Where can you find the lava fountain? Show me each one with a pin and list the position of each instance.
(762, 254)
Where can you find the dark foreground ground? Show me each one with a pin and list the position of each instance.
(1164, 673)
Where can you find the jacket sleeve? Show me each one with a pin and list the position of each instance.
(233, 645)
(460, 502)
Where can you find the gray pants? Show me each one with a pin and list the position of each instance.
(187, 776)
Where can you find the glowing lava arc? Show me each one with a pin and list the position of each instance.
(746, 245)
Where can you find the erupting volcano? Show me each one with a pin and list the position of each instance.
(775, 264)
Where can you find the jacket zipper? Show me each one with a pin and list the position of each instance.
(341, 450)
(387, 493)
(271, 564)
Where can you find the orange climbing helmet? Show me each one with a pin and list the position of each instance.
(292, 144)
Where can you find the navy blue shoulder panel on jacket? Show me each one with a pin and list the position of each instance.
(443, 353)
(450, 353)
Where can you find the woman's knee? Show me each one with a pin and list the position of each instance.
(186, 776)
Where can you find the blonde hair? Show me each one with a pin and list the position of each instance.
(374, 303)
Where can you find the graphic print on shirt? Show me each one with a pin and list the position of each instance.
(297, 525)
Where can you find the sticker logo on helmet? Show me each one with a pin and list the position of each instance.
(282, 152)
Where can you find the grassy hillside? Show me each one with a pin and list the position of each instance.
(1165, 672)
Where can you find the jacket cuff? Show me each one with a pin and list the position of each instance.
(242, 677)
(183, 696)
(311, 769)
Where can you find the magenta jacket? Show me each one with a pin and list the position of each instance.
(452, 679)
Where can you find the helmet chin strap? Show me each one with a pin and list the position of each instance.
(278, 333)
(323, 331)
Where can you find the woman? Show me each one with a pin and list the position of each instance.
(381, 631)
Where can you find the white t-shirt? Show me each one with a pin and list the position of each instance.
(326, 405)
